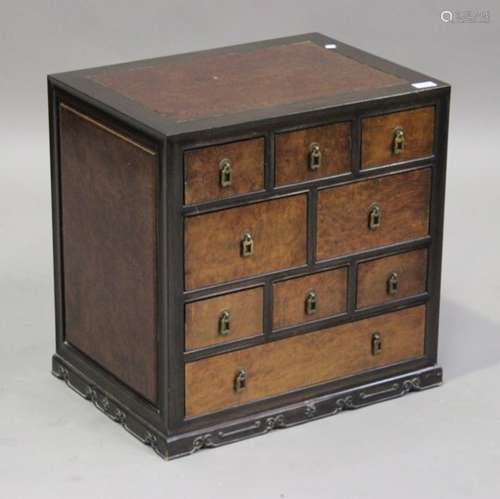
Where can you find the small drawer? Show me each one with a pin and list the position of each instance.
(395, 137)
(274, 368)
(245, 241)
(223, 171)
(391, 278)
(224, 318)
(309, 298)
(372, 213)
(313, 153)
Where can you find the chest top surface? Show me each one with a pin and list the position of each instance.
(225, 86)
(214, 84)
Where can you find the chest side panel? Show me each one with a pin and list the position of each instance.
(108, 186)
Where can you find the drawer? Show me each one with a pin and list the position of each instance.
(313, 153)
(223, 171)
(244, 241)
(372, 213)
(391, 278)
(224, 318)
(395, 137)
(309, 298)
(274, 368)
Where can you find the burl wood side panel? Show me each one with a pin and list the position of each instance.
(202, 318)
(343, 213)
(108, 186)
(378, 135)
(411, 268)
(212, 241)
(215, 84)
(289, 297)
(202, 170)
(304, 360)
(292, 153)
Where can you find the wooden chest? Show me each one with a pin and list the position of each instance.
(246, 238)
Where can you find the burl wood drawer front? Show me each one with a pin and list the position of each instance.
(313, 153)
(373, 213)
(309, 298)
(309, 359)
(223, 318)
(395, 137)
(392, 278)
(223, 171)
(245, 241)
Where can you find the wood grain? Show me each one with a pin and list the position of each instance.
(292, 153)
(212, 241)
(304, 360)
(289, 297)
(202, 170)
(378, 134)
(202, 318)
(208, 84)
(411, 268)
(343, 213)
(109, 249)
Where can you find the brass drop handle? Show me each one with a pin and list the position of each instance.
(398, 143)
(314, 156)
(224, 323)
(225, 173)
(240, 380)
(393, 284)
(374, 217)
(247, 245)
(311, 303)
(376, 343)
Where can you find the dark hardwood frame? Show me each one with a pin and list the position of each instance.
(163, 426)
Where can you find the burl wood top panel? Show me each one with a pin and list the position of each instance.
(343, 213)
(378, 135)
(411, 268)
(215, 84)
(292, 153)
(309, 359)
(202, 170)
(289, 297)
(202, 318)
(108, 188)
(213, 241)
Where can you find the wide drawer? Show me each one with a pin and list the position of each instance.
(245, 241)
(373, 213)
(309, 298)
(274, 368)
(391, 278)
(224, 318)
(313, 153)
(395, 137)
(223, 171)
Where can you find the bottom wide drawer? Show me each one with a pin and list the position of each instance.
(235, 378)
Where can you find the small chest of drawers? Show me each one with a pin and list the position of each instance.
(246, 238)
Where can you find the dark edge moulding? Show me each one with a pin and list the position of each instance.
(163, 427)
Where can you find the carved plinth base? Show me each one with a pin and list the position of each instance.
(178, 445)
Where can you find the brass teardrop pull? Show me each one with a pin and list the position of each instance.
(247, 245)
(399, 141)
(240, 380)
(314, 156)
